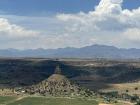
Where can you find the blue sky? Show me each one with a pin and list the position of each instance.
(31, 24)
(35, 7)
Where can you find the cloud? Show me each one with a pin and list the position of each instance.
(107, 24)
(14, 31)
(109, 6)
(108, 15)
(132, 34)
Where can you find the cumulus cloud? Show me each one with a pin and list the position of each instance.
(107, 24)
(109, 6)
(14, 31)
(108, 17)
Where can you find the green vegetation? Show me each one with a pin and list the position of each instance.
(138, 103)
(53, 101)
(6, 99)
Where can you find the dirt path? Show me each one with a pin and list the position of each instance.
(19, 98)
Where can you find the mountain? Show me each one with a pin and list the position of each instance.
(94, 51)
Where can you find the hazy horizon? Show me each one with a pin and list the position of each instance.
(99, 45)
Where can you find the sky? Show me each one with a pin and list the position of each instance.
(49, 24)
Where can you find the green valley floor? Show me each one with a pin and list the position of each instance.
(38, 100)
(8, 100)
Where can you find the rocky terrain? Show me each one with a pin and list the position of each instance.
(57, 85)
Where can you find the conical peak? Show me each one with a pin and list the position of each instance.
(57, 78)
(57, 70)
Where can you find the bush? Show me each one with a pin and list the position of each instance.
(127, 91)
(138, 103)
(136, 88)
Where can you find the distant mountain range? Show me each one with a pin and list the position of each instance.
(94, 51)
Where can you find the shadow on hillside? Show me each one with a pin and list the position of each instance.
(16, 73)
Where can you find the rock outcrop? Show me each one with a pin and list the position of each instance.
(56, 85)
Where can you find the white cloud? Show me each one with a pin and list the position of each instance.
(109, 6)
(108, 24)
(14, 31)
(132, 34)
(108, 15)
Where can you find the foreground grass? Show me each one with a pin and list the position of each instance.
(6, 99)
(28, 100)
(45, 101)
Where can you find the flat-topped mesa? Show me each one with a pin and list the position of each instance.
(57, 70)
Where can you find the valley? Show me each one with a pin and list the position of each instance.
(102, 76)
